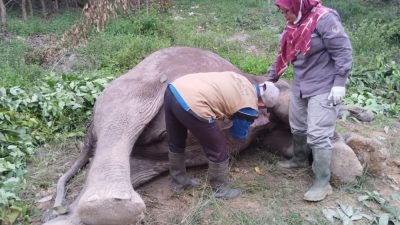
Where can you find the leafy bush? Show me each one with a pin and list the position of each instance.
(392, 32)
(376, 88)
(57, 107)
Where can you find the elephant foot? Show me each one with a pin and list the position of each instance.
(111, 205)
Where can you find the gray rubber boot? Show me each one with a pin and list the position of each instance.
(218, 177)
(301, 153)
(322, 174)
(177, 169)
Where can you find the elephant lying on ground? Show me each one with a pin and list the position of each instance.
(127, 137)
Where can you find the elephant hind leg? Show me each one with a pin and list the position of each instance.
(81, 161)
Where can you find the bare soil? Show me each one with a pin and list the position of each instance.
(270, 195)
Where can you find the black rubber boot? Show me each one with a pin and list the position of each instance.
(218, 177)
(177, 169)
(301, 153)
(322, 174)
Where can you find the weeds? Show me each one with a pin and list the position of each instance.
(36, 103)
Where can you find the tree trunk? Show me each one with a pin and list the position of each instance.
(30, 8)
(44, 11)
(3, 17)
(138, 5)
(56, 8)
(23, 9)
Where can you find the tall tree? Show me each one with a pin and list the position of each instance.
(23, 9)
(44, 11)
(3, 17)
(30, 8)
(56, 8)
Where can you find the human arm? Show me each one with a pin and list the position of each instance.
(271, 74)
(339, 47)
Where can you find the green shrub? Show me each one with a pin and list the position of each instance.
(56, 108)
(392, 32)
(376, 88)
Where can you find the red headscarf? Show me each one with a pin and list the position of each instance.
(297, 37)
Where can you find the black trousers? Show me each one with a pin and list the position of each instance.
(178, 122)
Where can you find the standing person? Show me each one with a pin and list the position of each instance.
(315, 43)
(194, 102)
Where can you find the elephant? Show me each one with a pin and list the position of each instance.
(127, 141)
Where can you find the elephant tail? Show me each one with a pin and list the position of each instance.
(83, 158)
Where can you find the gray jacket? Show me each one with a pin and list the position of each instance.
(326, 64)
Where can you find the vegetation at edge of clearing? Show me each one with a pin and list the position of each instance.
(39, 103)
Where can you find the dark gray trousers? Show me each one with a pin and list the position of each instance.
(178, 122)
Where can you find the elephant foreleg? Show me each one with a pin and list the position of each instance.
(109, 197)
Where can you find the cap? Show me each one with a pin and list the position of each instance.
(269, 93)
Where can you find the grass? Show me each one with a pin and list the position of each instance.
(203, 24)
(372, 27)
(272, 197)
(57, 23)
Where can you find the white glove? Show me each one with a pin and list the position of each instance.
(337, 94)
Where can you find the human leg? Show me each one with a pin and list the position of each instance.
(298, 124)
(177, 134)
(321, 126)
(213, 141)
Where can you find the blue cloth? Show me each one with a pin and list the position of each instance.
(240, 129)
(249, 112)
(241, 123)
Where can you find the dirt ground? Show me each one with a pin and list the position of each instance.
(270, 195)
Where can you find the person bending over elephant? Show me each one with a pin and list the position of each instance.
(315, 42)
(195, 103)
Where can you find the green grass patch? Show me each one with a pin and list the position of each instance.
(38, 104)
(57, 23)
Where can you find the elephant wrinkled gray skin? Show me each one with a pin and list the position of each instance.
(128, 138)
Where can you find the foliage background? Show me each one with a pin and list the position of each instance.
(39, 103)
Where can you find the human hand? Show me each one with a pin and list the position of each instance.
(337, 94)
(271, 77)
(262, 119)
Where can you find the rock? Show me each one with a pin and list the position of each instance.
(361, 114)
(345, 166)
(370, 152)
